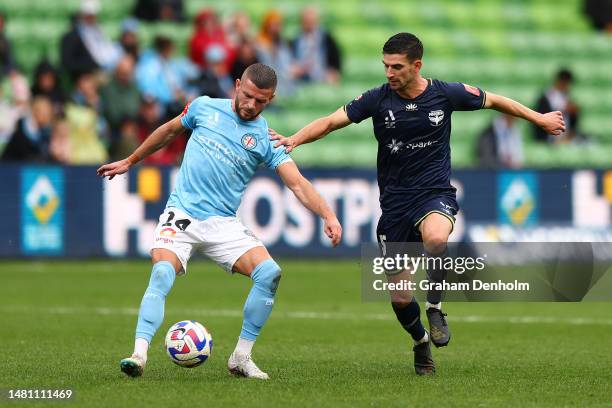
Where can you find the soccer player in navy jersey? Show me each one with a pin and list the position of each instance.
(411, 116)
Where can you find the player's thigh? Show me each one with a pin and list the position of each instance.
(232, 245)
(401, 279)
(435, 229)
(250, 259)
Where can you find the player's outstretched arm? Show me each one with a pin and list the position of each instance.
(156, 140)
(308, 196)
(551, 122)
(313, 131)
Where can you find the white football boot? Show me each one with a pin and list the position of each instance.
(133, 366)
(243, 366)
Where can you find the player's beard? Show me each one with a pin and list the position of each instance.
(241, 113)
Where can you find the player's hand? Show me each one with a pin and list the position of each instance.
(333, 230)
(110, 170)
(552, 123)
(282, 140)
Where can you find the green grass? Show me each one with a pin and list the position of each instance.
(67, 325)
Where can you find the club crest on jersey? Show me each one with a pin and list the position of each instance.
(411, 107)
(436, 117)
(249, 141)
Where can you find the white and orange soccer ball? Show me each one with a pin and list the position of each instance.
(188, 343)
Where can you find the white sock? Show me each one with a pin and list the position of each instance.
(244, 347)
(425, 339)
(140, 348)
(434, 305)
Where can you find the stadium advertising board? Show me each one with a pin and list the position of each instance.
(69, 211)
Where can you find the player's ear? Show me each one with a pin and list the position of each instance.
(237, 83)
(418, 64)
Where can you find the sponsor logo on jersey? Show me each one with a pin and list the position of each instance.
(420, 145)
(472, 89)
(395, 146)
(167, 232)
(249, 141)
(436, 117)
(411, 107)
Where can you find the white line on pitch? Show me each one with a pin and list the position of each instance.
(113, 311)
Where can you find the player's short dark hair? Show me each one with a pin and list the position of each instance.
(262, 76)
(565, 75)
(404, 43)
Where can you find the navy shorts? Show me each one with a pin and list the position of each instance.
(405, 227)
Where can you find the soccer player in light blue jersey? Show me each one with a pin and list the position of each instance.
(228, 143)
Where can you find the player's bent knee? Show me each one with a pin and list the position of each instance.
(162, 276)
(164, 255)
(267, 274)
(435, 243)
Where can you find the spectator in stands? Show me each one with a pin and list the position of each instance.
(316, 51)
(500, 145)
(274, 51)
(164, 77)
(30, 140)
(215, 81)
(149, 119)
(6, 55)
(128, 39)
(85, 47)
(14, 102)
(558, 98)
(238, 29)
(208, 31)
(120, 97)
(87, 95)
(59, 146)
(246, 54)
(47, 83)
(600, 13)
(128, 139)
(159, 10)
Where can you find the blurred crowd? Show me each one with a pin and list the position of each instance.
(107, 95)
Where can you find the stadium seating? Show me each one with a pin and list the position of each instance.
(512, 48)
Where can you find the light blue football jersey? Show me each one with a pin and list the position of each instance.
(221, 157)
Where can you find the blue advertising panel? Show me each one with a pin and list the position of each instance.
(42, 211)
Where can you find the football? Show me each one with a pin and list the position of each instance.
(188, 343)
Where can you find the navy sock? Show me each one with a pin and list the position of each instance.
(409, 317)
(437, 273)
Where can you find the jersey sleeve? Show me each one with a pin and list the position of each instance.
(189, 115)
(274, 156)
(465, 97)
(363, 106)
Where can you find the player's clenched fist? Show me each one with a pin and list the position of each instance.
(552, 123)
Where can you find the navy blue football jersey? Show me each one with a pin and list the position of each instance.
(413, 138)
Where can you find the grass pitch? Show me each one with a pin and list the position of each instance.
(67, 325)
